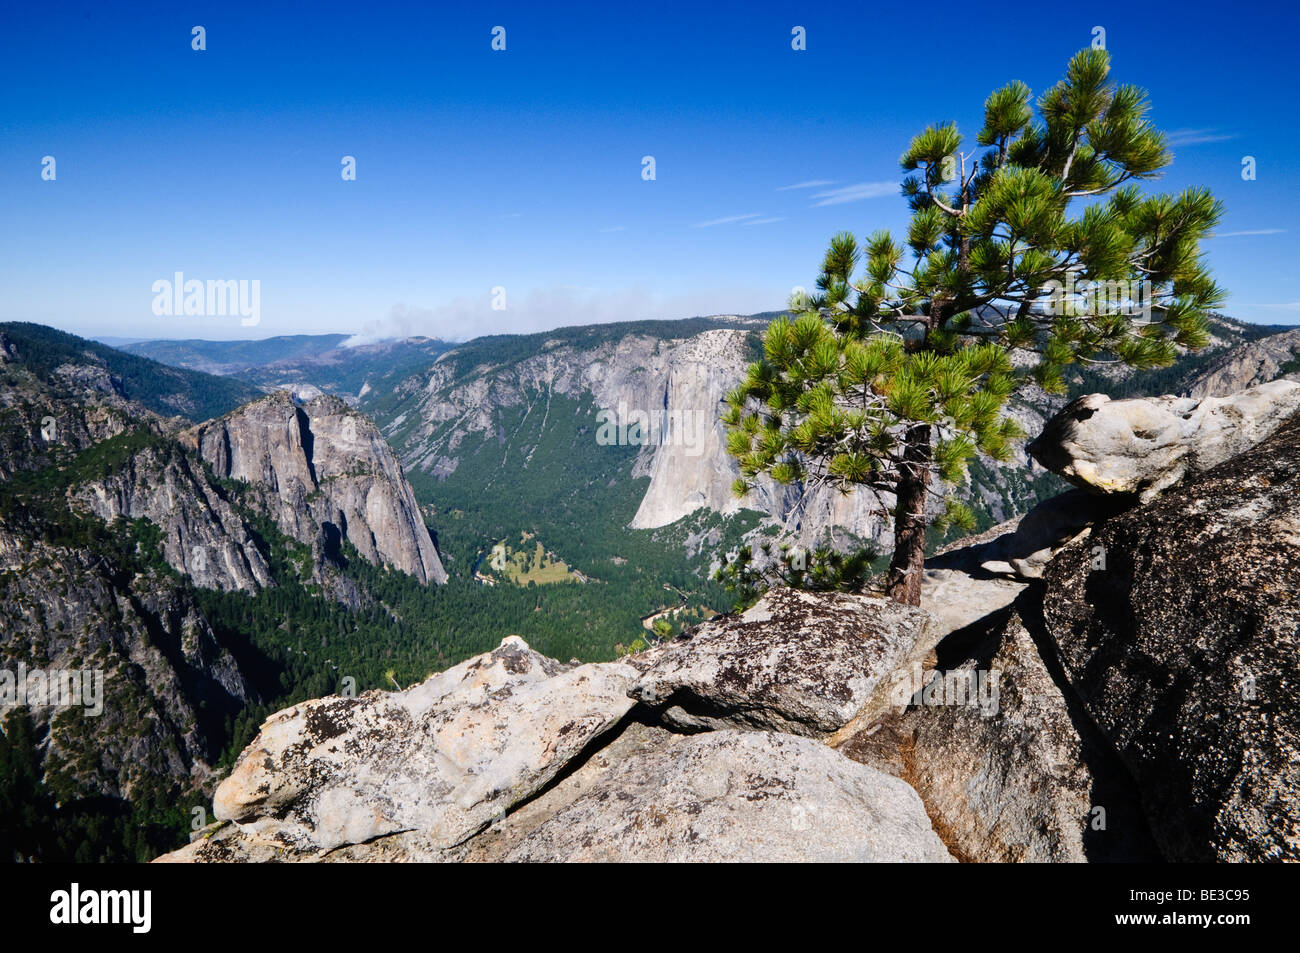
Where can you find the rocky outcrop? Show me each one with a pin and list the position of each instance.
(38, 430)
(443, 758)
(1008, 769)
(736, 796)
(1143, 446)
(1122, 712)
(514, 756)
(320, 471)
(650, 795)
(797, 662)
(969, 581)
(1182, 644)
(986, 730)
(42, 424)
(1007, 780)
(325, 474)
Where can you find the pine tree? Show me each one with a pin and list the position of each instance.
(880, 380)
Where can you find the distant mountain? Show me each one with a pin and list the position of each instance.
(350, 372)
(304, 363)
(499, 428)
(1239, 355)
(112, 340)
(232, 357)
(66, 360)
(326, 363)
(1253, 362)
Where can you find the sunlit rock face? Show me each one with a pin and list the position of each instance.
(321, 468)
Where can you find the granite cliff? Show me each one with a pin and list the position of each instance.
(672, 384)
(326, 475)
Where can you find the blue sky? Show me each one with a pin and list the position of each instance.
(522, 169)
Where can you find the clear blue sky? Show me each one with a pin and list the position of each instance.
(522, 168)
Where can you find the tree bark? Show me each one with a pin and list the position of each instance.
(907, 567)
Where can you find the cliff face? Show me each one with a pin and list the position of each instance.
(674, 390)
(203, 535)
(1246, 365)
(686, 456)
(441, 407)
(321, 471)
(165, 683)
(324, 473)
(689, 466)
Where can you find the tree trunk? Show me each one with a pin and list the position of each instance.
(903, 584)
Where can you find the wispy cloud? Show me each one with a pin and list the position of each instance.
(764, 221)
(724, 221)
(810, 184)
(856, 193)
(1282, 306)
(1196, 137)
(1249, 231)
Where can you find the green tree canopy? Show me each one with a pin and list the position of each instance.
(1036, 240)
